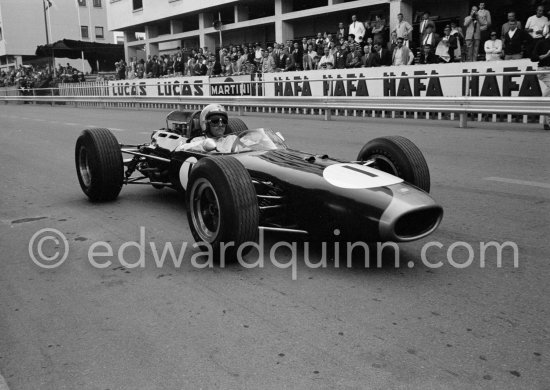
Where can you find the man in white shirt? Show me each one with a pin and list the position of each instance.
(535, 24)
(357, 28)
(493, 48)
(535, 27)
(327, 57)
(403, 27)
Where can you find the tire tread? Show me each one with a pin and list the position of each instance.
(235, 126)
(108, 179)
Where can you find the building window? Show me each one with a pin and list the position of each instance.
(99, 32)
(84, 32)
(1, 33)
(97, 3)
(138, 4)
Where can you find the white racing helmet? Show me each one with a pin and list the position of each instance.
(208, 111)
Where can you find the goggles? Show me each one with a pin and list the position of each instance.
(218, 121)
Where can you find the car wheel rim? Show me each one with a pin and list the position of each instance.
(384, 164)
(84, 167)
(205, 210)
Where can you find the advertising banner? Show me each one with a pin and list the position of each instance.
(232, 86)
(332, 82)
(236, 86)
(168, 87)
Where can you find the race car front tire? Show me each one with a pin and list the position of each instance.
(99, 164)
(400, 157)
(222, 207)
(235, 126)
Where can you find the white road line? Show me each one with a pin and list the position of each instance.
(3, 384)
(520, 182)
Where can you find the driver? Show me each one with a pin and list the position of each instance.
(213, 121)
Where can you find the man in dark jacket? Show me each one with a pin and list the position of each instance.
(384, 54)
(149, 65)
(216, 65)
(427, 56)
(514, 42)
(297, 55)
(371, 59)
(179, 65)
(341, 31)
(200, 67)
(155, 67)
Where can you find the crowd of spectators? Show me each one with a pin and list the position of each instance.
(358, 44)
(28, 76)
(354, 45)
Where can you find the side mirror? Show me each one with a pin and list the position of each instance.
(209, 145)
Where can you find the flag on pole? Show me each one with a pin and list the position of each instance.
(48, 3)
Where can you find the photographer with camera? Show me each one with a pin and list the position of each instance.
(473, 34)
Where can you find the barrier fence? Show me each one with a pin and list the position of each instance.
(498, 93)
(90, 88)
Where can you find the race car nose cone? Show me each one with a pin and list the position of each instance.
(412, 214)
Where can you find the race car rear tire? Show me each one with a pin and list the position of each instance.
(99, 164)
(222, 207)
(235, 126)
(398, 156)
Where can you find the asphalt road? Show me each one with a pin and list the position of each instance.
(180, 327)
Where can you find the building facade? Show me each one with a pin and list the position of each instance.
(24, 25)
(163, 26)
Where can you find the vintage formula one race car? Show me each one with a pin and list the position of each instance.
(262, 183)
